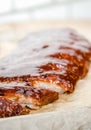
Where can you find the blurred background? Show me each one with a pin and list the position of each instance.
(19, 17)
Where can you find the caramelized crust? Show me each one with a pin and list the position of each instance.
(29, 95)
(10, 108)
(47, 64)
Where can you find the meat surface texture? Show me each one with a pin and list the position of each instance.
(10, 108)
(46, 64)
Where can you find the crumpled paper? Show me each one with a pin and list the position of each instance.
(76, 119)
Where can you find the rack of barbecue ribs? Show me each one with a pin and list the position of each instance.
(46, 65)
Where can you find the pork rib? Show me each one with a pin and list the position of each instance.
(10, 108)
(45, 65)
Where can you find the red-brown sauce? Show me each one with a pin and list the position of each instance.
(65, 60)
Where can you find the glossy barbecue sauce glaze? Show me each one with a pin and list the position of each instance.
(61, 58)
(9, 108)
